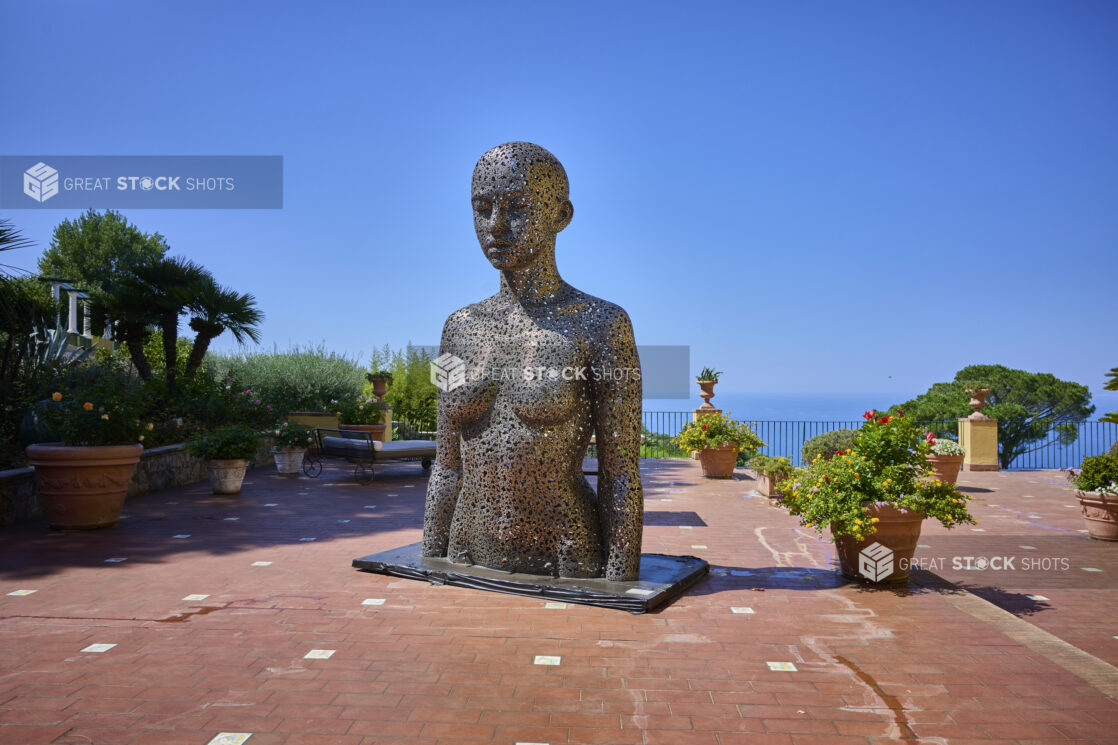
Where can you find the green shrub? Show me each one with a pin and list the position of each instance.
(827, 444)
(776, 468)
(230, 442)
(296, 380)
(411, 394)
(1114, 450)
(1097, 471)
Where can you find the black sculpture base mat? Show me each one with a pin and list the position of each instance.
(663, 578)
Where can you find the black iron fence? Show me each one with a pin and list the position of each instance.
(787, 438)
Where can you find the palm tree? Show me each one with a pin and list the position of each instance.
(128, 305)
(214, 310)
(172, 283)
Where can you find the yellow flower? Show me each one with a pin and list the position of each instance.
(87, 406)
(141, 438)
(56, 396)
(104, 416)
(150, 427)
(857, 522)
(874, 520)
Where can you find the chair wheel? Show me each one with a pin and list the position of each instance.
(312, 467)
(363, 474)
(426, 463)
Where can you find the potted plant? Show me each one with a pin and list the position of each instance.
(877, 492)
(83, 479)
(1096, 485)
(769, 472)
(945, 457)
(227, 451)
(718, 439)
(290, 443)
(706, 379)
(363, 414)
(380, 380)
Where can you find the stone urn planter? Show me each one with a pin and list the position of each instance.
(706, 392)
(1100, 513)
(226, 476)
(288, 460)
(83, 487)
(718, 463)
(947, 467)
(887, 562)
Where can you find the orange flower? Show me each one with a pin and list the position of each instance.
(87, 406)
(56, 396)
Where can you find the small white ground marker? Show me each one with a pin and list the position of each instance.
(1028, 548)
(115, 560)
(1033, 517)
(373, 601)
(543, 659)
(181, 535)
(685, 527)
(923, 545)
(1027, 496)
(196, 597)
(261, 563)
(22, 593)
(979, 530)
(230, 738)
(409, 486)
(555, 605)
(307, 540)
(369, 507)
(698, 545)
(343, 521)
(232, 518)
(782, 666)
(1091, 569)
(1036, 597)
(272, 504)
(1081, 530)
(98, 647)
(741, 609)
(319, 654)
(393, 495)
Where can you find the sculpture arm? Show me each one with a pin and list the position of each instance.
(617, 423)
(446, 477)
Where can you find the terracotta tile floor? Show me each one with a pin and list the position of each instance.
(440, 664)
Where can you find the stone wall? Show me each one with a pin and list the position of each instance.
(159, 468)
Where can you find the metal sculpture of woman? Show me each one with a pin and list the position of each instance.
(549, 366)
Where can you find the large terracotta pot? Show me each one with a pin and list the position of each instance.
(946, 467)
(376, 431)
(718, 463)
(887, 563)
(288, 460)
(226, 476)
(83, 487)
(1100, 513)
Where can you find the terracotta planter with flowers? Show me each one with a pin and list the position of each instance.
(83, 487)
(718, 463)
(719, 440)
(874, 498)
(1096, 486)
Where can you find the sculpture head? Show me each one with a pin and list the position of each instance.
(520, 200)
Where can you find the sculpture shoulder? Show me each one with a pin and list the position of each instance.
(607, 320)
(473, 312)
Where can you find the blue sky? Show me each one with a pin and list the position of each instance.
(816, 196)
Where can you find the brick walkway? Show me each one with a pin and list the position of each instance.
(415, 663)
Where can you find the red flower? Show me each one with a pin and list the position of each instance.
(885, 419)
(706, 426)
(841, 452)
(826, 479)
(931, 438)
(869, 415)
(900, 414)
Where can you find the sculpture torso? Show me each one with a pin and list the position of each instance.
(523, 436)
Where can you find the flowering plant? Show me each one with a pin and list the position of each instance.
(1098, 473)
(288, 435)
(943, 446)
(886, 465)
(96, 409)
(775, 468)
(717, 431)
(230, 442)
(360, 410)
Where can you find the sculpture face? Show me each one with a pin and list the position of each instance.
(519, 197)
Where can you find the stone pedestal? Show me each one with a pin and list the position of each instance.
(980, 438)
(388, 424)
